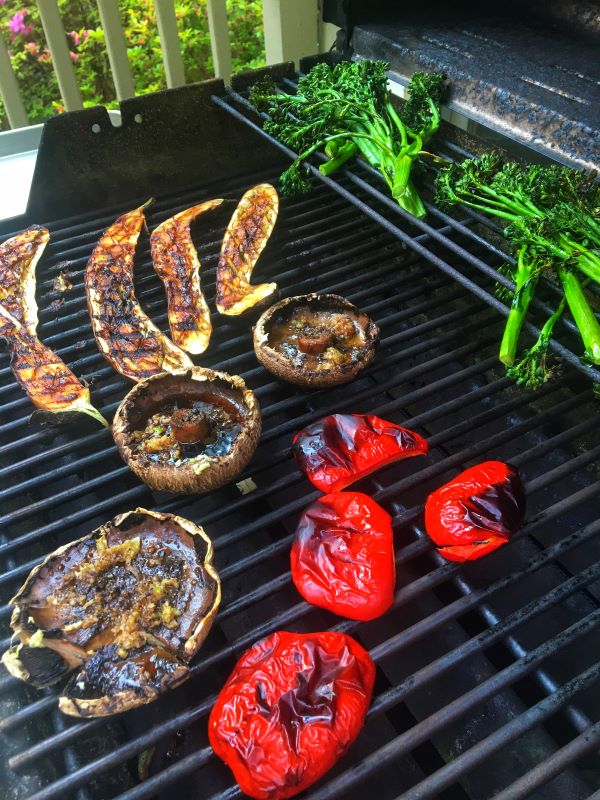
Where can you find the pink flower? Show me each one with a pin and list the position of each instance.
(32, 48)
(74, 56)
(17, 24)
(75, 37)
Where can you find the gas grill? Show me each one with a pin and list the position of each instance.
(488, 679)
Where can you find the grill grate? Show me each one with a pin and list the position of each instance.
(487, 674)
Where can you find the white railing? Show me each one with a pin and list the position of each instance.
(291, 28)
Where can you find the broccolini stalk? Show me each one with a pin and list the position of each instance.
(583, 315)
(551, 215)
(533, 370)
(526, 278)
(347, 110)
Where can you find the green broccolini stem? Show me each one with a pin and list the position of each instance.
(345, 153)
(533, 371)
(525, 283)
(584, 317)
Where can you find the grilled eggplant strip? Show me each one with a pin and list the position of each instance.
(126, 337)
(49, 383)
(245, 238)
(177, 265)
(18, 259)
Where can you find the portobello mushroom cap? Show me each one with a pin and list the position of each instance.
(290, 364)
(197, 468)
(127, 606)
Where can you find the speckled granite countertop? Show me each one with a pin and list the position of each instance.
(541, 87)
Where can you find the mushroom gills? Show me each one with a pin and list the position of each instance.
(126, 607)
(317, 338)
(40, 666)
(187, 428)
(188, 432)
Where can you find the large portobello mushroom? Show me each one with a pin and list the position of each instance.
(188, 431)
(127, 606)
(315, 340)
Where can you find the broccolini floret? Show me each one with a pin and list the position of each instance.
(346, 110)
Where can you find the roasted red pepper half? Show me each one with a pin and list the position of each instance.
(343, 556)
(476, 512)
(292, 706)
(340, 449)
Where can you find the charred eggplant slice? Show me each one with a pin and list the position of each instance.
(128, 606)
(245, 238)
(178, 266)
(125, 335)
(315, 340)
(19, 256)
(189, 431)
(49, 383)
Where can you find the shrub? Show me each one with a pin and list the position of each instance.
(22, 31)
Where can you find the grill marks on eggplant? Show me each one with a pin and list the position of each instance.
(245, 238)
(18, 259)
(48, 382)
(126, 337)
(177, 265)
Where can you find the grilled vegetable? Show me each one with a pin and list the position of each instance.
(290, 709)
(18, 259)
(49, 383)
(551, 217)
(346, 110)
(126, 337)
(245, 238)
(177, 265)
(476, 512)
(191, 431)
(343, 556)
(340, 449)
(315, 340)
(128, 606)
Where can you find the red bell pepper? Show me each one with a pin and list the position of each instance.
(343, 556)
(290, 709)
(476, 512)
(340, 449)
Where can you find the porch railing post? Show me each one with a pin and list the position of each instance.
(61, 60)
(291, 29)
(219, 38)
(9, 89)
(116, 45)
(169, 41)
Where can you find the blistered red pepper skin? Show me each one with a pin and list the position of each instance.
(476, 512)
(290, 709)
(342, 557)
(338, 450)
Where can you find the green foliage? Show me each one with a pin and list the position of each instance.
(21, 29)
